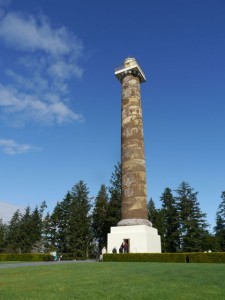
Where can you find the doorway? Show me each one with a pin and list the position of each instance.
(126, 245)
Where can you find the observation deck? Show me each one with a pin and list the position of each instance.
(130, 66)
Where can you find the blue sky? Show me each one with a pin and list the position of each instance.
(60, 101)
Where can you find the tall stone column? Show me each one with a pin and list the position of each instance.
(134, 229)
(134, 198)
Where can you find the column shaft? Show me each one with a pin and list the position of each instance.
(134, 199)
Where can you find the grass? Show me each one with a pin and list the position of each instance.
(163, 281)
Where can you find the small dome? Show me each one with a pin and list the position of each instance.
(129, 59)
(129, 62)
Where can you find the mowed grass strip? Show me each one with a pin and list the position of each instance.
(114, 281)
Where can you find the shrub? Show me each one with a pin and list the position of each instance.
(25, 257)
(192, 257)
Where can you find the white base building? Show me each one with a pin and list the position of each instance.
(140, 238)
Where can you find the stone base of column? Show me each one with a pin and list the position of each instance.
(131, 222)
(140, 238)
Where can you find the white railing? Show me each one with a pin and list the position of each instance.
(130, 67)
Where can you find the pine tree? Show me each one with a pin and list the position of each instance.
(25, 230)
(154, 215)
(30, 229)
(3, 228)
(53, 227)
(63, 226)
(13, 235)
(192, 223)
(57, 226)
(99, 218)
(170, 234)
(36, 232)
(48, 233)
(210, 242)
(220, 223)
(152, 212)
(79, 221)
(114, 207)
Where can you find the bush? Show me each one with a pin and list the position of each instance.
(192, 257)
(25, 257)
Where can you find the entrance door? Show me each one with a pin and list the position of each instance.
(126, 245)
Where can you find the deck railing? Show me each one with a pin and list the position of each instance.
(123, 67)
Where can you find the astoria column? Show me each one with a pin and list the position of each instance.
(134, 196)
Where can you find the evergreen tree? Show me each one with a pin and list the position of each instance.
(192, 224)
(31, 226)
(210, 242)
(36, 231)
(152, 212)
(64, 223)
(114, 207)
(220, 223)
(43, 233)
(48, 233)
(170, 234)
(99, 218)
(3, 228)
(25, 228)
(13, 235)
(52, 226)
(79, 221)
(155, 217)
(57, 226)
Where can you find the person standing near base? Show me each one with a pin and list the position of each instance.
(126, 247)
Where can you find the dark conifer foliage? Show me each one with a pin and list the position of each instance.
(79, 235)
(37, 224)
(169, 213)
(25, 231)
(63, 224)
(13, 238)
(48, 233)
(52, 225)
(58, 225)
(99, 218)
(73, 228)
(220, 223)
(192, 223)
(68, 228)
(3, 228)
(114, 207)
(152, 212)
(155, 216)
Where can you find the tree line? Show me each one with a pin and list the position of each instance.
(79, 225)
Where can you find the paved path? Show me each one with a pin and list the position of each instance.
(42, 263)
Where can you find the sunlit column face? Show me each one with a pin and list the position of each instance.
(134, 199)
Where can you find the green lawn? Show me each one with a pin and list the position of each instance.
(89, 281)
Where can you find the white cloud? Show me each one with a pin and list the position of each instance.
(38, 80)
(48, 110)
(7, 210)
(64, 70)
(11, 147)
(29, 33)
